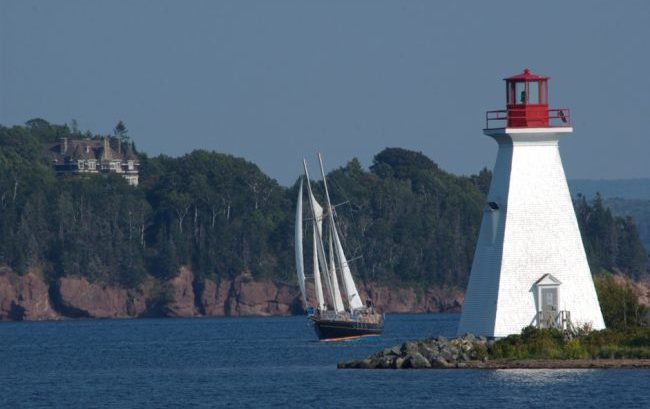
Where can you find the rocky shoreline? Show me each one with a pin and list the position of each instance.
(438, 352)
(29, 297)
(471, 352)
(563, 364)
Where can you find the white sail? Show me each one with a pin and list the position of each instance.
(338, 301)
(317, 223)
(352, 295)
(317, 213)
(300, 265)
(354, 301)
(320, 299)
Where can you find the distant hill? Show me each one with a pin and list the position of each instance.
(619, 188)
(625, 197)
(406, 221)
(637, 209)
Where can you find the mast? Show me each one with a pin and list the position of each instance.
(354, 301)
(317, 282)
(338, 300)
(300, 265)
(320, 249)
(317, 223)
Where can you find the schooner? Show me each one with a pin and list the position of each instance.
(339, 312)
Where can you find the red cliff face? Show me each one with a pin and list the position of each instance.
(24, 297)
(262, 298)
(7, 297)
(28, 297)
(182, 300)
(76, 297)
(244, 296)
(215, 296)
(34, 298)
(432, 299)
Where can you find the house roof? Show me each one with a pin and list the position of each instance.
(526, 76)
(548, 279)
(83, 151)
(86, 149)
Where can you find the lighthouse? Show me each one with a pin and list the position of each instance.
(530, 266)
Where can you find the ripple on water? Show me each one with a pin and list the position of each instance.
(267, 363)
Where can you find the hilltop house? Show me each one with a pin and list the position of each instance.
(94, 156)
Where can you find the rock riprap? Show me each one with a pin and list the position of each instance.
(438, 352)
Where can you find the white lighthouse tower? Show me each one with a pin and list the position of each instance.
(530, 266)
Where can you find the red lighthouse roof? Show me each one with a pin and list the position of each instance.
(527, 105)
(526, 76)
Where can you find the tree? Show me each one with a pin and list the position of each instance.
(74, 127)
(121, 132)
(619, 303)
(404, 221)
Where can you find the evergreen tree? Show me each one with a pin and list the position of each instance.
(404, 221)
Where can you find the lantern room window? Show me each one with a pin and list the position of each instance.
(533, 92)
(526, 92)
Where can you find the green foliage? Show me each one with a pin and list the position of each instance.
(219, 214)
(612, 243)
(404, 221)
(480, 351)
(534, 343)
(619, 304)
(410, 222)
(121, 132)
(638, 210)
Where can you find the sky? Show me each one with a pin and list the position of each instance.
(276, 81)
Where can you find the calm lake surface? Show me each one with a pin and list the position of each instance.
(266, 363)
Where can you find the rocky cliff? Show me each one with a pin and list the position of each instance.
(28, 297)
(24, 297)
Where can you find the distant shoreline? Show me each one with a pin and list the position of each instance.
(562, 364)
(551, 364)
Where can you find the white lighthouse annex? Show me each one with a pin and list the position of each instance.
(530, 266)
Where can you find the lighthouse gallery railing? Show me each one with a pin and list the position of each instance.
(556, 117)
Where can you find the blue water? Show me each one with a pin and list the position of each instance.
(266, 363)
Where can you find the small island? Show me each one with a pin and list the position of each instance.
(624, 344)
(533, 348)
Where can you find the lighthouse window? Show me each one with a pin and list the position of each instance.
(520, 93)
(493, 206)
(533, 92)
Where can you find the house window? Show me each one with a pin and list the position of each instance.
(130, 165)
(80, 164)
(91, 165)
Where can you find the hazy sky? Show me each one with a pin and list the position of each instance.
(273, 81)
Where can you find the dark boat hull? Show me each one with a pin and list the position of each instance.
(339, 329)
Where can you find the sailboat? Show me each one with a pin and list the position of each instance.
(337, 312)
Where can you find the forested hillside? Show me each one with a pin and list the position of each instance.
(638, 210)
(626, 198)
(405, 221)
(621, 188)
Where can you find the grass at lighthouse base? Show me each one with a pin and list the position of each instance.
(533, 348)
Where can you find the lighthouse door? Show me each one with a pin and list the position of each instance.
(549, 307)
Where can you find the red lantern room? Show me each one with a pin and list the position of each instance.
(527, 105)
